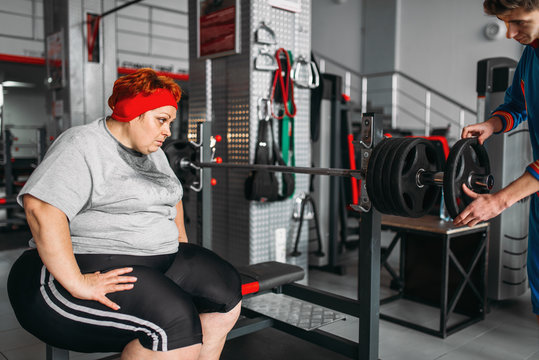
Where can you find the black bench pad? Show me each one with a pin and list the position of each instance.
(270, 274)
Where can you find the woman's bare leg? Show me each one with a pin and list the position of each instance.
(135, 351)
(215, 327)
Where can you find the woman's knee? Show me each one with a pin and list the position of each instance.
(214, 283)
(224, 289)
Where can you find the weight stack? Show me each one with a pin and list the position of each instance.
(509, 154)
(245, 232)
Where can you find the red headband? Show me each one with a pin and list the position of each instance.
(128, 108)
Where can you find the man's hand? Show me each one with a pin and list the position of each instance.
(482, 130)
(487, 206)
(483, 207)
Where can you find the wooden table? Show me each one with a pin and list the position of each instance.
(440, 265)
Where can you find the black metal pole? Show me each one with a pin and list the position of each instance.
(369, 284)
(8, 165)
(369, 269)
(108, 12)
(205, 155)
(285, 169)
(335, 202)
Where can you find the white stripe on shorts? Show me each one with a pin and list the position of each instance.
(107, 323)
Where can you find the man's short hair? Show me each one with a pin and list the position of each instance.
(499, 7)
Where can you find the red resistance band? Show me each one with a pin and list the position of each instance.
(287, 90)
(128, 108)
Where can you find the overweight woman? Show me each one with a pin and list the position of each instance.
(110, 268)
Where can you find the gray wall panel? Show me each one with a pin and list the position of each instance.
(336, 31)
(16, 25)
(136, 11)
(163, 16)
(23, 7)
(133, 25)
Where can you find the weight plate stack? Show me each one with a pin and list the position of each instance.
(414, 156)
(386, 176)
(384, 201)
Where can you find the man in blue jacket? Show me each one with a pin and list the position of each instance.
(521, 103)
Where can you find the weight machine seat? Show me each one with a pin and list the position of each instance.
(268, 275)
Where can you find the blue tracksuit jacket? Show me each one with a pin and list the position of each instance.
(521, 103)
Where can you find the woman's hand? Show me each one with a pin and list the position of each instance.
(482, 130)
(483, 207)
(96, 285)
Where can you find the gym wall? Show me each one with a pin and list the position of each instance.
(150, 33)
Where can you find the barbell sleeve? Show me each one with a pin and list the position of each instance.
(429, 178)
(475, 181)
(481, 181)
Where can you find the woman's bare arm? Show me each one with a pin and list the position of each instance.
(50, 229)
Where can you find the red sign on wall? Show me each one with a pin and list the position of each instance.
(218, 28)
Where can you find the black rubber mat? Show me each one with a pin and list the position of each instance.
(272, 344)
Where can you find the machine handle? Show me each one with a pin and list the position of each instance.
(301, 64)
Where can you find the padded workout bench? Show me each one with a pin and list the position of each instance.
(255, 279)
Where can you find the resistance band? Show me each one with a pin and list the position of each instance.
(286, 86)
(287, 127)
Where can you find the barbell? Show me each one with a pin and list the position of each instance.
(404, 176)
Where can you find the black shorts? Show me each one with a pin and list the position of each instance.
(162, 310)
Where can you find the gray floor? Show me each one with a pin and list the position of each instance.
(510, 331)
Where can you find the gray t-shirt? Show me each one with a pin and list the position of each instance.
(117, 200)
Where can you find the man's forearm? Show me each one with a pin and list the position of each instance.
(496, 123)
(518, 189)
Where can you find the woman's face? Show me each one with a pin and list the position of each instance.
(147, 133)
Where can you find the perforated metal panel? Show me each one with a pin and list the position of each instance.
(292, 32)
(244, 232)
(290, 310)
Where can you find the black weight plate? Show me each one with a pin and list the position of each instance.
(379, 191)
(393, 176)
(372, 168)
(386, 175)
(176, 150)
(413, 156)
(465, 157)
(370, 172)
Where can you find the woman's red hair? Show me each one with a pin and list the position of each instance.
(144, 81)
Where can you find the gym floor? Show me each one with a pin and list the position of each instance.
(509, 332)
